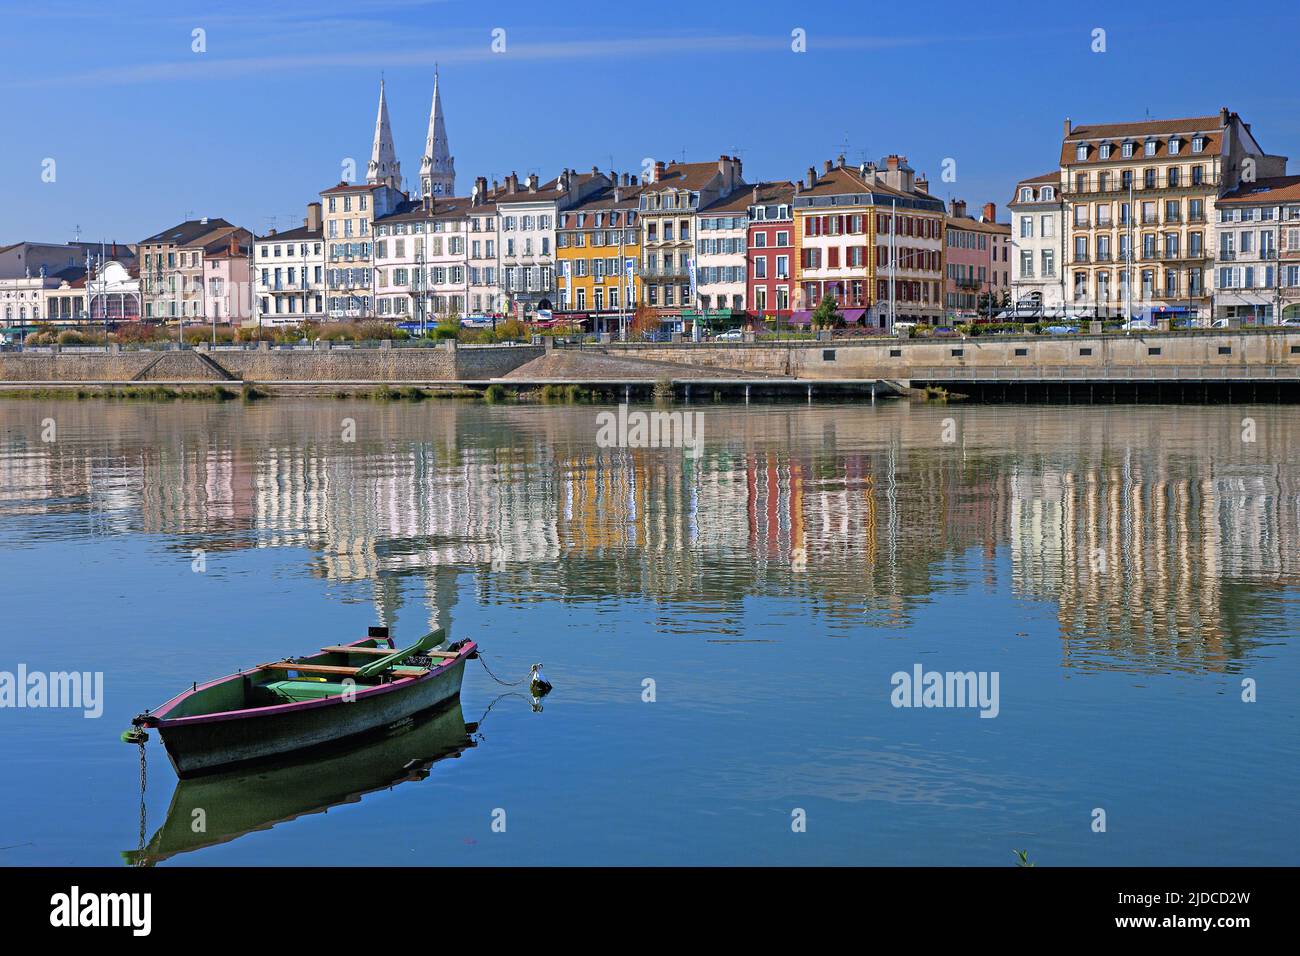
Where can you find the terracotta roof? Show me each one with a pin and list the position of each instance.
(1047, 179)
(684, 176)
(186, 233)
(975, 225)
(738, 201)
(1161, 130)
(444, 207)
(840, 181)
(774, 192)
(1274, 189)
(291, 235)
(546, 192)
(629, 197)
(349, 188)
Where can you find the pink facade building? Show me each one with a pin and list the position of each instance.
(977, 261)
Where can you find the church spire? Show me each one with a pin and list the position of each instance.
(384, 169)
(437, 168)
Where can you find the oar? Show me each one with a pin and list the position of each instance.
(375, 668)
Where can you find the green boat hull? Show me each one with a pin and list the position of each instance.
(217, 808)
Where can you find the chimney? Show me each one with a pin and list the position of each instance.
(234, 245)
(659, 171)
(312, 222)
(891, 163)
(826, 166)
(922, 184)
(627, 179)
(1223, 116)
(958, 209)
(990, 212)
(1067, 127)
(512, 184)
(812, 177)
(754, 195)
(532, 182)
(798, 188)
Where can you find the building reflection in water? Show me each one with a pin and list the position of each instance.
(1152, 530)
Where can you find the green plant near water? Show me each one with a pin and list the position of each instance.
(251, 393)
(495, 394)
(663, 392)
(1022, 858)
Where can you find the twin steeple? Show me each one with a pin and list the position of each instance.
(437, 167)
(384, 169)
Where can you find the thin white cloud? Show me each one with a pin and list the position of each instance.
(208, 66)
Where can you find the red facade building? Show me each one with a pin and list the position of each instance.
(770, 266)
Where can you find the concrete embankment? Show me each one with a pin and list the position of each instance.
(287, 368)
(1231, 365)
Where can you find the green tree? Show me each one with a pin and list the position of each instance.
(826, 315)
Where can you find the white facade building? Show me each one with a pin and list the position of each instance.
(1037, 244)
(289, 273)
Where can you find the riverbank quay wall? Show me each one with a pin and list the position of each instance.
(1259, 355)
(393, 365)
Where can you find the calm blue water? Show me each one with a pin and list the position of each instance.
(1121, 569)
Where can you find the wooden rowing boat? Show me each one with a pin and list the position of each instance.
(341, 691)
(233, 803)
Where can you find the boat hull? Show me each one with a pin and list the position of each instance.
(204, 744)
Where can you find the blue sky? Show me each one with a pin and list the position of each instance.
(144, 131)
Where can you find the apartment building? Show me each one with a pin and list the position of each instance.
(422, 260)
(598, 245)
(1038, 244)
(348, 213)
(871, 238)
(769, 267)
(289, 273)
(669, 202)
(977, 266)
(527, 213)
(171, 267)
(1140, 203)
(227, 280)
(1257, 263)
(485, 295)
(722, 254)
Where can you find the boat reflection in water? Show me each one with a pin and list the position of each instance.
(223, 807)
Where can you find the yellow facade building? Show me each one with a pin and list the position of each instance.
(598, 246)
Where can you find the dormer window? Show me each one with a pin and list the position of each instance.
(1127, 150)
(1175, 144)
(1049, 193)
(1105, 150)
(1081, 152)
(1150, 147)
(1026, 195)
(1198, 144)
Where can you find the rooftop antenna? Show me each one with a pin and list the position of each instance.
(76, 233)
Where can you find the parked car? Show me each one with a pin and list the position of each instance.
(1139, 325)
(1219, 324)
(904, 326)
(945, 332)
(1291, 323)
(731, 335)
(1060, 329)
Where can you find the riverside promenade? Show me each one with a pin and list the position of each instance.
(1191, 366)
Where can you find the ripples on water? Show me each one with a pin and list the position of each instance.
(770, 586)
